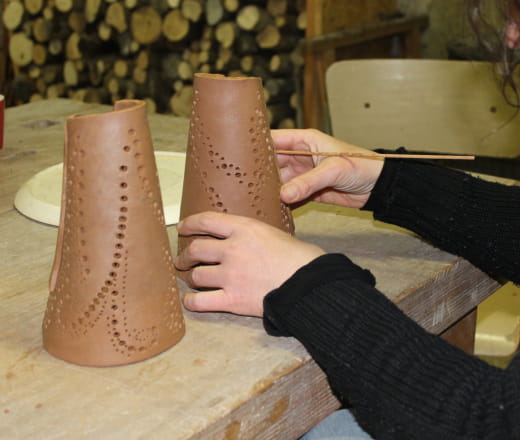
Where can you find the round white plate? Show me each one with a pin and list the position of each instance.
(40, 197)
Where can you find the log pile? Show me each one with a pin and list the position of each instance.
(105, 50)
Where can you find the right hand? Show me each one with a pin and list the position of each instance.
(343, 181)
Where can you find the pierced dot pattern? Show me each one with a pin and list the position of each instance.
(232, 169)
(114, 298)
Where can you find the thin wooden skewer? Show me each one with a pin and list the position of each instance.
(374, 156)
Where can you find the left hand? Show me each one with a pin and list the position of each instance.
(248, 260)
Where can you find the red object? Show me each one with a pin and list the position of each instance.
(1, 121)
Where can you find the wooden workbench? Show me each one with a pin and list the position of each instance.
(226, 379)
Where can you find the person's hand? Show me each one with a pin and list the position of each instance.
(336, 180)
(247, 260)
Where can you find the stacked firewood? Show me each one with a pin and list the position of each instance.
(105, 50)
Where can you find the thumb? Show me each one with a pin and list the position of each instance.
(212, 301)
(301, 187)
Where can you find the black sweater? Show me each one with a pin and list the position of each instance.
(401, 381)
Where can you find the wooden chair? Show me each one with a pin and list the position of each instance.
(427, 106)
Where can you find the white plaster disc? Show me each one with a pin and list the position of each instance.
(40, 197)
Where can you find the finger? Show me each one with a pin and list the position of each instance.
(325, 175)
(208, 277)
(201, 250)
(292, 139)
(207, 223)
(214, 301)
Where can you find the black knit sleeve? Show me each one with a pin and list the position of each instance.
(461, 214)
(402, 382)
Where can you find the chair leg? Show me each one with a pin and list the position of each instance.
(462, 333)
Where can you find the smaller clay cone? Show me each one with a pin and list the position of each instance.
(231, 162)
(113, 295)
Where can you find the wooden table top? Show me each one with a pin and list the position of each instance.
(226, 379)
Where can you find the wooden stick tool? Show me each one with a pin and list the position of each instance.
(375, 155)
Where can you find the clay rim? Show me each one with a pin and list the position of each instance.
(121, 106)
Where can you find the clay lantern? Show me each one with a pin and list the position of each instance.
(113, 294)
(231, 162)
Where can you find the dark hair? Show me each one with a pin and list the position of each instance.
(490, 36)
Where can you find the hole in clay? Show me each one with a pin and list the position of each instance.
(121, 227)
(123, 184)
(131, 132)
(123, 198)
(116, 334)
(119, 246)
(122, 218)
(108, 283)
(114, 292)
(123, 168)
(120, 236)
(114, 307)
(126, 148)
(123, 209)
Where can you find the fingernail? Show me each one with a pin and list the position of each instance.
(289, 192)
(187, 300)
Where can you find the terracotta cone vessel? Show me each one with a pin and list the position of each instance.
(113, 294)
(231, 162)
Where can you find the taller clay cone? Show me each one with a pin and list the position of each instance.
(231, 162)
(113, 295)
